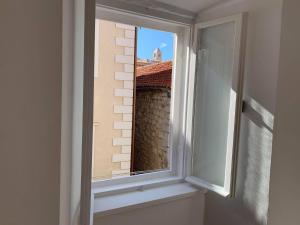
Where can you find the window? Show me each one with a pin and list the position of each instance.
(132, 99)
(205, 101)
(121, 91)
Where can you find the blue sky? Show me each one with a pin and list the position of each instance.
(149, 39)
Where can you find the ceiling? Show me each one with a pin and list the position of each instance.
(180, 10)
(192, 5)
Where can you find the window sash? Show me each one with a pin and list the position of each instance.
(231, 156)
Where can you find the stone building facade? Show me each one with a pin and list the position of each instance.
(152, 117)
(131, 113)
(113, 99)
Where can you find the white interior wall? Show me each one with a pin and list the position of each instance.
(30, 115)
(261, 71)
(67, 111)
(30, 76)
(187, 211)
(250, 206)
(285, 179)
(77, 111)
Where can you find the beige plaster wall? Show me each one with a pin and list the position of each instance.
(30, 115)
(284, 183)
(105, 99)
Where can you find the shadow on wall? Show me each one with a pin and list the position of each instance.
(250, 206)
(257, 173)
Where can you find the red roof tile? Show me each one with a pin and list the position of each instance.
(157, 75)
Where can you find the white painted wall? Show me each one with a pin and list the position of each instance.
(77, 116)
(67, 111)
(30, 114)
(285, 178)
(250, 206)
(187, 211)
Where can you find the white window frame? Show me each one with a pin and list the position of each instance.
(182, 103)
(176, 173)
(231, 158)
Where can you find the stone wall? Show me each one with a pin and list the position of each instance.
(151, 141)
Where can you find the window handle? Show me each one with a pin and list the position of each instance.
(244, 105)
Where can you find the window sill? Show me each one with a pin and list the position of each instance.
(114, 189)
(126, 201)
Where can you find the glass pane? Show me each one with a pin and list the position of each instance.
(132, 100)
(213, 126)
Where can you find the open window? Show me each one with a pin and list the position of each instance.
(215, 104)
(205, 102)
(138, 100)
(205, 106)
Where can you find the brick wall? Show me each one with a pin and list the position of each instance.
(151, 139)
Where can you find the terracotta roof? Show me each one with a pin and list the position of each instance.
(140, 63)
(157, 75)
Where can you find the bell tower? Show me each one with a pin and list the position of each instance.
(157, 55)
